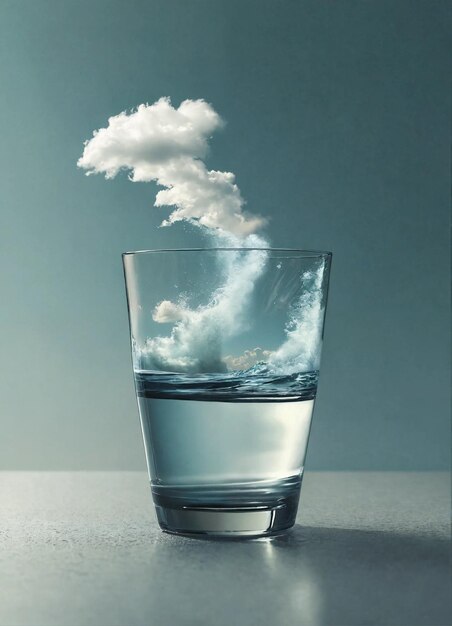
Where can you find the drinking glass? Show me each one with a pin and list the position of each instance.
(226, 349)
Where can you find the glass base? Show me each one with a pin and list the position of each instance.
(226, 522)
(253, 509)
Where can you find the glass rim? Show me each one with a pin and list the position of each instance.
(298, 251)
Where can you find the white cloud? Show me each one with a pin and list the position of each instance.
(163, 144)
(167, 311)
(247, 359)
(160, 143)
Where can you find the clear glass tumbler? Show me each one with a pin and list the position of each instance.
(226, 349)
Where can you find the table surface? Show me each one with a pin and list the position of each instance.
(83, 548)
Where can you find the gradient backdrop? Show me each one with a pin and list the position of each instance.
(337, 127)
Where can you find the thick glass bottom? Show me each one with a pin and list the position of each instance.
(239, 514)
(225, 523)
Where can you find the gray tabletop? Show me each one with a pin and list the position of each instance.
(82, 548)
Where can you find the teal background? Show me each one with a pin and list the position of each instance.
(337, 127)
